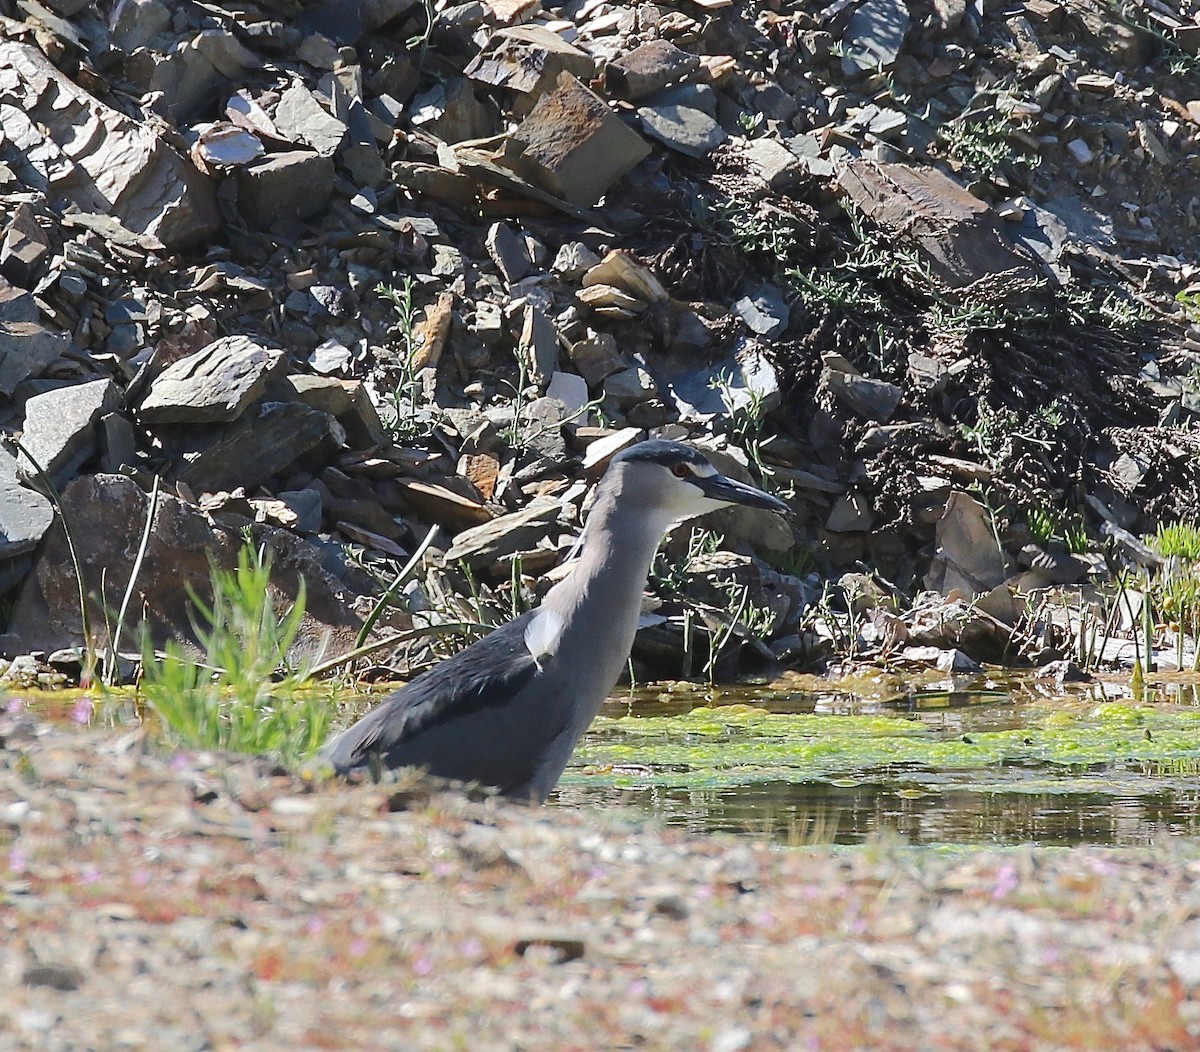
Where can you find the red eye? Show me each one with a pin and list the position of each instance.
(680, 471)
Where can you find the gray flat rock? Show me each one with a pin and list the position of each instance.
(26, 349)
(301, 118)
(764, 310)
(869, 398)
(289, 185)
(682, 128)
(967, 556)
(647, 68)
(62, 428)
(875, 35)
(214, 385)
(521, 530)
(776, 165)
(258, 446)
(25, 515)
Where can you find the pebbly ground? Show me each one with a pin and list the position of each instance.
(151, 900)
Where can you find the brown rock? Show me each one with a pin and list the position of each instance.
(431, 332)
(954, 231)
(442, 505)
(177, 557)
(573, 145)
(529, 59)
(289, 185)
(647, 68)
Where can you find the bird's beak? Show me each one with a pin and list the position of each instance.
(730, 491)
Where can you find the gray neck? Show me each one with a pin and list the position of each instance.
(600, 600)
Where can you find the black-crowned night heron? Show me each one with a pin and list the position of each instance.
(508, 710)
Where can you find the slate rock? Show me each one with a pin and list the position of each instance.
(573, 145)
(126, 169)
(24, 248)
(647, 68)
(764, 311)
(537, 345)
(967, 556)
(757, 528)
(682, 129)
(508, 252)
(137, 22)
(875, 35)
(302, 119)
(869, 398)
(628, 387)
(455, 112)
(742, 379)
(541, 427)
(574, 259)
(570, 389)
(18, 305)
(530, 60)
(955, 233)
(62, 428)
(258, 446)
(214, 385)
(26, 349)
(118, 442)
(777, 166)
(25, 515)
(291, 185)
(182, 541)
(852, 513)
(519, 531)
(596, 357)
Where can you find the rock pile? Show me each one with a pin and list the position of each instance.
(339, 273)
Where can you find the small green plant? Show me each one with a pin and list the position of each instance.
(1177, 540)
(515, 434)
(411, 420)
(982, 140)
(1175, 591)
(1177, 600)
(745, 416)
(1189, 300)
(750, 123)
(241, 695)
(419, 42)
(1112, 307)
(669, 576)
(747, 620)
(1047, 526)
(754, 228)
(1180, 63)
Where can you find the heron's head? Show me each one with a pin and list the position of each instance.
(681, 482)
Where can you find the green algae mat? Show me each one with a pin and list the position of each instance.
(997, 769)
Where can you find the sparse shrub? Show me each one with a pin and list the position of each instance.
(240, 695)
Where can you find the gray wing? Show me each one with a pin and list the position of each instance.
(481, 715)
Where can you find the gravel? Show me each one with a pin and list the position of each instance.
(193, 901)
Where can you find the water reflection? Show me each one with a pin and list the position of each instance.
(1124, 803)
(825, 813)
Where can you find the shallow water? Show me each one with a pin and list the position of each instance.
(982, 761)
(972, 762)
